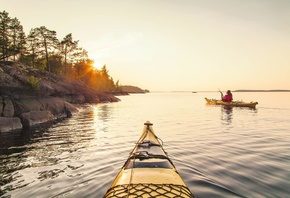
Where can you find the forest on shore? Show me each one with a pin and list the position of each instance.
(42, 50)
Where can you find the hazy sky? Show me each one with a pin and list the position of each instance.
(174, 45)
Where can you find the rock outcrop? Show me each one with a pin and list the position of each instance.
(29, 97)
(33, 118)
(10, 124)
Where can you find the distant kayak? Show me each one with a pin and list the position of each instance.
(232, 104)
(148, 172)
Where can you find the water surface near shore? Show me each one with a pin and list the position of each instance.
(219, 152)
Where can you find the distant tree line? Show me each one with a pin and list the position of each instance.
(42, 50)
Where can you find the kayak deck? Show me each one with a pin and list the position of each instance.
(149, 190)
(148, 172)
(233, 103)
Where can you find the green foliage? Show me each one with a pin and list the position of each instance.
(55, 64)
(42, 50)
(12, 37)
(46, 40)
(34, 82)
(25, 59)
(118, 88)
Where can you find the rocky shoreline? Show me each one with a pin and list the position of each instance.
(25, 104)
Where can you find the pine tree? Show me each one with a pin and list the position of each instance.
(67, 48)
(18, 38)
(4, 35)
(46, 41)
(12, 37)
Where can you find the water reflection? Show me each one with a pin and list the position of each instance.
(101, 115)
(103, 112)
(45, 149)
(9, 140)
(80, 156)
(227, 114)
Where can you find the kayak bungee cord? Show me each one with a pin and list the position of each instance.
(134, 154)
(138, 153)
(160, 140)
(154, 174)
(154, 135)
(131, 176)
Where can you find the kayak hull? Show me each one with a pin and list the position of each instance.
(148, 172)
(232, 104)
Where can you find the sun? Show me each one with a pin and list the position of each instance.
(97, 65)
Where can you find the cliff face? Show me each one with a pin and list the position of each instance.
(29, 97)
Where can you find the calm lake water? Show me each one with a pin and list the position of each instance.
(219, 152)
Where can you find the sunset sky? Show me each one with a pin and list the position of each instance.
(174, 45)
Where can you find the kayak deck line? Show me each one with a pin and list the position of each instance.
(148, 171)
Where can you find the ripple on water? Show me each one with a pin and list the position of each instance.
(218, 152)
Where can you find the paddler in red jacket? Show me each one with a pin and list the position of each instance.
(228, 97)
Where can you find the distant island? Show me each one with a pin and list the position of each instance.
(133, 89)
(273, 90)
